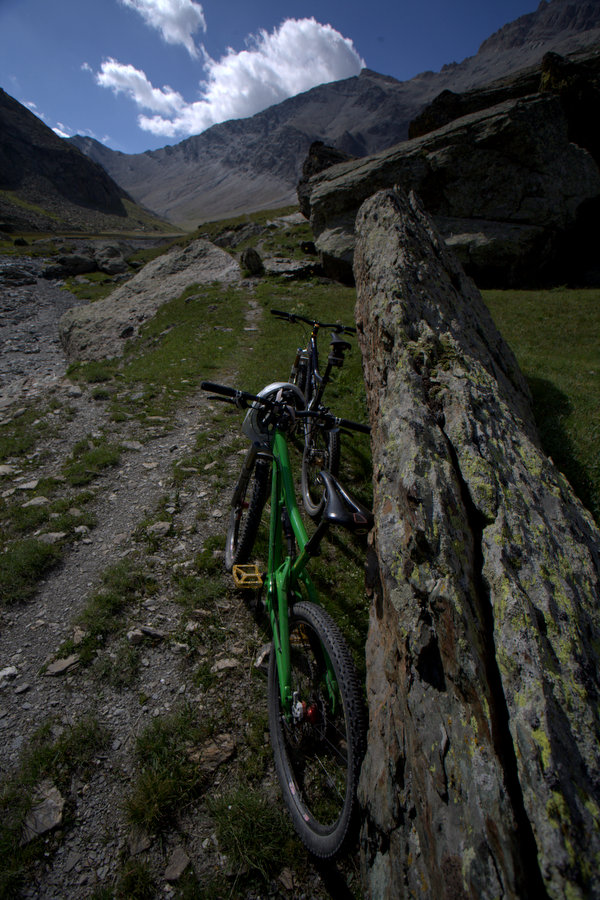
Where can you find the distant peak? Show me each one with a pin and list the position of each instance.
(377, 76)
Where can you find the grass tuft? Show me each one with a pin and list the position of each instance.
(168, 778)
(254, 834)
(22, 565)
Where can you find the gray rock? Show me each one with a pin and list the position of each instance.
(291, 268)
(483, 762)
(46, 812)
(508, 172)
(138, 842)
(232, 237)
(52, 537)
(99, 329)
(71, 264)
(8, 673)
(251, 261)
(60, 666)
(109, 259)
(159, 529)
(17, 275)
(178, 863)
(320, 157)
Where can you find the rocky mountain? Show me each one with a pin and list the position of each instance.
(47, 184)
(255, 163)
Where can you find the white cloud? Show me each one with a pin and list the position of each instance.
(295, 57)
(60, 131)
(128, 80)
(177, 20)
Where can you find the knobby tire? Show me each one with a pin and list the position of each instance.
(318, 759)
(246, 513)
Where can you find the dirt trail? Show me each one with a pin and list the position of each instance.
(86, 853)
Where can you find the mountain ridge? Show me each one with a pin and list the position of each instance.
(245, 165)
(45, 183)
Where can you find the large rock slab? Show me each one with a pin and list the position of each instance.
(509, 170)
(100, 329)
(482, 774)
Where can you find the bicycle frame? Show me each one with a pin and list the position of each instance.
(314, 376)
(285, 569)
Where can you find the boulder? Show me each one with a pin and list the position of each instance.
(71, 264)
(482, 772)
(230, 238)
(320, 157)
(575, 81)
(109, 259)
(251, 261)
(98, 330)
(508, 172)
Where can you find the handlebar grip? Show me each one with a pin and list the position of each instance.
(354, 426)
(219, 389)
(280, 313)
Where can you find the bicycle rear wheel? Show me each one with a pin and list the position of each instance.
(321, 451)
(319, 748)
(247, 506)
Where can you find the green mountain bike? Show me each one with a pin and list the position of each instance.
(316, 714)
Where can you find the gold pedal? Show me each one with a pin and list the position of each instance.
(247, 576)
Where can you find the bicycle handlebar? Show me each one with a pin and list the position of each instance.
(234, 395)
(242, 398)
(295, 317)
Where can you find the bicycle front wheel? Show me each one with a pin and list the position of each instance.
(321, 451)
(319, 746)
(247, 506)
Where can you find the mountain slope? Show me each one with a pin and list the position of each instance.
(255, 163)
(45, 183)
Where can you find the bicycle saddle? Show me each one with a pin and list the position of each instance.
(341, 508)
(339, 343)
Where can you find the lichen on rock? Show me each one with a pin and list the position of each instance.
(482, 774)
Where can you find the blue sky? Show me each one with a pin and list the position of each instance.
(140, 74)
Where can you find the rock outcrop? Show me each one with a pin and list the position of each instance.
(506, 183)
(320, 157)
(482, 774)
(100, 329)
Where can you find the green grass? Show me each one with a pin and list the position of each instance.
(22, 564)
(555, 337)
(254, 834)
(89, 458)
(23, 432)
(104, 616)
(96, 286)
(168, 778)
(190, 337)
